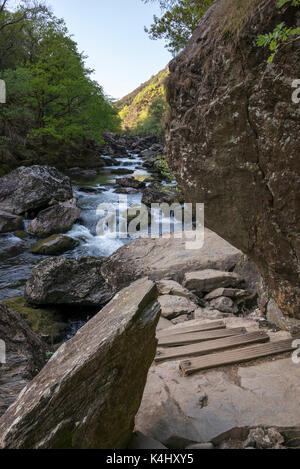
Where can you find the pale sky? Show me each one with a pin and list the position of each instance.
(111, 33)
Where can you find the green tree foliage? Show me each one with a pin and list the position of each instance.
(153, 123)
(281, 35)
(142, 110)
(178, 21)
(53, 106)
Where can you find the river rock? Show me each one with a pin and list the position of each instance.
(126, 190)
(12, 251)
(208, 280)
(164, 258)
(224, 304)
(54, 245)
(57, 219)
(130, 182)
(88, 394)
(10, 222)
(121, 171)
(233, 137)
(25, 356)
(157, 194)
(174, 306)
(48, 323)
(65, 281)
(32, 188)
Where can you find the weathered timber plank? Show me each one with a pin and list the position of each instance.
(186, 329)
(184, 339)
(194, 350)
(236, 356)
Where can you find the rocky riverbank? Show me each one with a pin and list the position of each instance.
(139, 286)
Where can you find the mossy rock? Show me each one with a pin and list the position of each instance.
(46, 322)
(21, 234)
(54, 245)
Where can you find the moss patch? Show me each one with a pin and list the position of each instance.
(45, 322)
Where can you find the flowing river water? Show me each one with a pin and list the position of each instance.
(16, 262)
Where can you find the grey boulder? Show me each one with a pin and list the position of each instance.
(224, 304)
(57, 219)
(167, 258)
(64, 281)
(10, 222)
(208, 280)
(87, 395)
(33, 188)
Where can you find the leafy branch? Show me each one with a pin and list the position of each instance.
(282, 35)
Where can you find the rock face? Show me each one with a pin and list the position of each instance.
(88, 394)
(233, 137)
(167, 259)
(33, 188)
(25, 356)
(57, 219)
(63, 281)
(10, 222)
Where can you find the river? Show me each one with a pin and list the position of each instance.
(16, 262)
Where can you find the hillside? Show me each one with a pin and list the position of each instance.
(146, 103)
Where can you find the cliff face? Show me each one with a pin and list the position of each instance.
(233, 137)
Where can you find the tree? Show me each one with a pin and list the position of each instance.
(53, 106)
(178, 21)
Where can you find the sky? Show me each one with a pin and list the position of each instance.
(111, 33)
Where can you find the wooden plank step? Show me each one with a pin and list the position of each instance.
(236, 356)
(194, 350)
(186, 329)
(184, 339)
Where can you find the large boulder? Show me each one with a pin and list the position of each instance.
(25, 356)
(60, 280)
(57, 219)
(88, 394)
(32, 188)
(167, 259)
(234, 135)
(10, 222)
